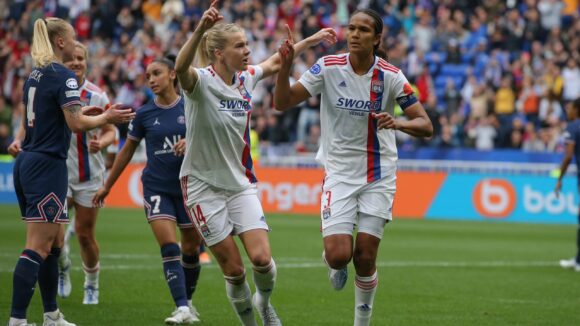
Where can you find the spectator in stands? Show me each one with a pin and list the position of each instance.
(571, 80)
(572, 138)
(484, 133)
(550, 111)
(452, 98)
(528, 102)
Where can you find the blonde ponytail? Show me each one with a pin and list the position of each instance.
(45, 30)
(213, 39)
(41, 49)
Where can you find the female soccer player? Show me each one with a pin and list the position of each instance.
(162, 123)
(86, 167)
(359, 90)
(218, 181)
(53, 106)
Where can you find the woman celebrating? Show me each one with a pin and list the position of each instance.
(217, 175)
(53, 109)
(86, 167)
(162, 124)
(359, 90)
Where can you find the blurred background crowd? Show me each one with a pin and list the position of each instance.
(490, 73)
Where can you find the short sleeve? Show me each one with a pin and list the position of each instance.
(202, 75)
(136, 128)
(571, 133)
(313, 79)
(253, 75)
(68, 91)
(402, 91)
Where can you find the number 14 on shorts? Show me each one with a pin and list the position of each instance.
(201, 221)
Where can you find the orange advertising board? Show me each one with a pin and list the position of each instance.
(297, 191)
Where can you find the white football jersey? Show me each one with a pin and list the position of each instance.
(218, 129)
(352, 149)
(82, 165)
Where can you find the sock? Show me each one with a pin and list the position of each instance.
(264, 279)
(92, 275)
(23, 281)
(191, 270)
(364, 294)
(174, 273)
(64, 258)
(238, 292)
(48, 280)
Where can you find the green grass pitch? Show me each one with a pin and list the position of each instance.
(430, 272)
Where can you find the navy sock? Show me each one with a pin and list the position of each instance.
(191, 270)
(24, 280)
(48, 280)
(174, 273)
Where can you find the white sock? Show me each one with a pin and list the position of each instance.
(364, 294)
(16, 321)
(265, 280)
(92, 275)
(238, 292)
(53, 314)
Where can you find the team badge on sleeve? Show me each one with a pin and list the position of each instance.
(315, 70)
(72, 83)
(377, 86)
(407, 89)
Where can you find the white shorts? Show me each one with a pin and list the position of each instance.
(82, 193)
(217, 213)
(344, 205)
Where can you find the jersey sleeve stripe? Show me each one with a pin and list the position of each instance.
(71, 103)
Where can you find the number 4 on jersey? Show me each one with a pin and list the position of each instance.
(30, 106)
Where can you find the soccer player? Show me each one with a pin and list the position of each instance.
(217, 174)
(86, 167)
(53, 109)
(358, 150)
(161, 123)
(572, 138)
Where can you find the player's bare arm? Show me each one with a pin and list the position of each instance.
(286, 96)
(121, 160)
(569, 153)
(185, 73)
(273, 64)
(79, 122)
(417, 125)
(106, 138)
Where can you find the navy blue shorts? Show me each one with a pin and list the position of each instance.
(164, 206)
(41, 183)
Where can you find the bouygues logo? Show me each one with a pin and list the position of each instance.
(494, 198)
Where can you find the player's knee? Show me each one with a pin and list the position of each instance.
(338, 259)
(234, 274)
(261, 260)
(364, 260)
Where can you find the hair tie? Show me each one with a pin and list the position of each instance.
(204, 35)
(45, 22)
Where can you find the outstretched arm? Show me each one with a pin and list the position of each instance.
(273, 64)
(77, 121)
(185, 73)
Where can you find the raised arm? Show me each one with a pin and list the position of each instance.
(185, 73)
(286, 96)
(273, 64)
(78, 122)
(121, 161)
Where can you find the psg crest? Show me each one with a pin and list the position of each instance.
(377, 86)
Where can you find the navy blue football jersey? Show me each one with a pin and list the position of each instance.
(46, 92)
(162, 127)
(572, 135)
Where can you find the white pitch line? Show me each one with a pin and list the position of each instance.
(307, 265)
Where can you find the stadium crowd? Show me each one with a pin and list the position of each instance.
(491, 74)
